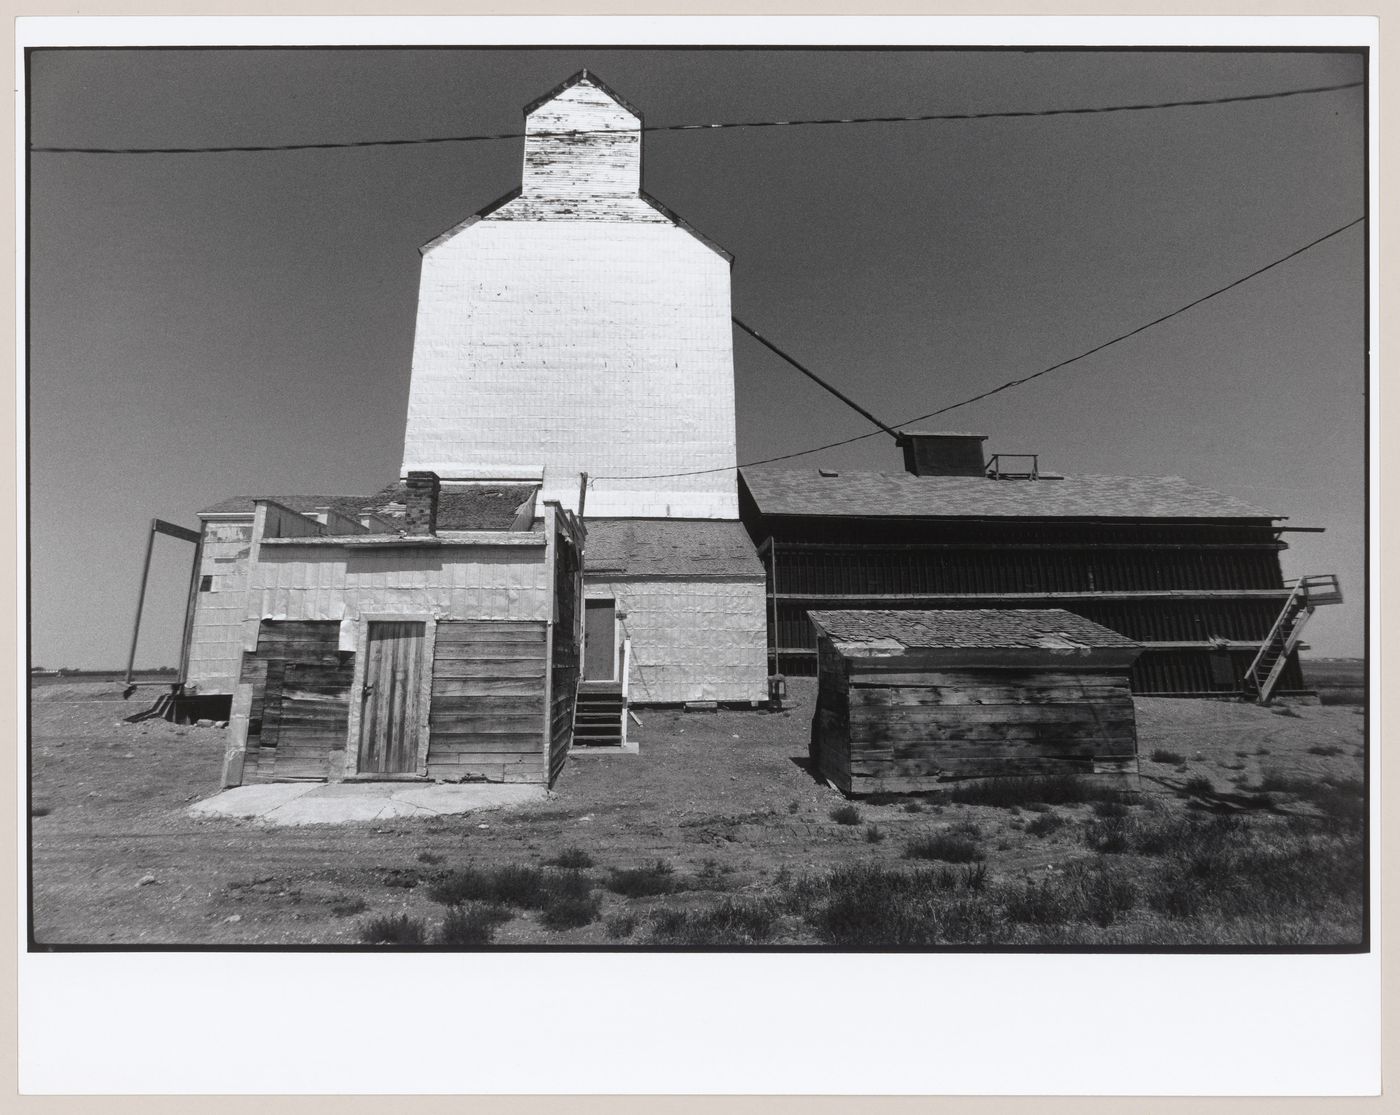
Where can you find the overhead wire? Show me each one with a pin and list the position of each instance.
(1009, 384)
(486, 137)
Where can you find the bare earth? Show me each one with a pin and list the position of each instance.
(722, 797)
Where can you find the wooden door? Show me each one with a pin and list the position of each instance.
(599, 640)
(389, 722)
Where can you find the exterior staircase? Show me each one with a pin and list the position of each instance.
(1308, 594)
(598, 717)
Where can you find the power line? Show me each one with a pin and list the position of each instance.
(1012, 382)
(923, 118)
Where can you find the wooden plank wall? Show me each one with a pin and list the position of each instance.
(301, 701)
(914, 731)
(564, 664)
(488, 695)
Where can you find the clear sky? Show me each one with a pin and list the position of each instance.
(217, 324)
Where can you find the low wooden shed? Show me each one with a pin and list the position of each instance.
(910, 700)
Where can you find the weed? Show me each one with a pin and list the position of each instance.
(1170, 758)
(711, 876)
(913, 807)
(1262, 751)
(642, 882)
(1324, 749)
(729, 923)
(973, 876)
(846, 814)
(570, 912)
(794, 805)
(873, 835)
(574, 858)
(429, 857)
(1063, 789)
(1110, 809)
(400, 878)
(1096, 893)
(1283, 710)
(867, 906)
(949, 847)
(343, 906)
(1108, 835)
(472, 924)
(1044, 824)
(387, 930)
(1198, 786)
(620, 925)
(511, 885)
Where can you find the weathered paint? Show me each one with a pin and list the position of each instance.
(578, 329)
(215, 652)
(701, 640)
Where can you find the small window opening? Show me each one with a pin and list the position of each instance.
(206, 583)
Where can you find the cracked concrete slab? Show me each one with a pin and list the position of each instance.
(319, 803)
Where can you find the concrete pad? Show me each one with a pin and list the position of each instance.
(334, 803)
(250, 801)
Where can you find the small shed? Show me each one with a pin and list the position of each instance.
(910, 700)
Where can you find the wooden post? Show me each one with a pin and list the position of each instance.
(582, 491)
(141, 600)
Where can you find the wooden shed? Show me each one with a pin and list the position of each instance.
(908, 701)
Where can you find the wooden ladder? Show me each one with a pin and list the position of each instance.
(1309, 593)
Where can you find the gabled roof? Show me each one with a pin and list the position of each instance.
(969, 628)
(583, 77)
(889, 495)
(669, 547)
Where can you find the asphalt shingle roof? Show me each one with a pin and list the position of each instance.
(980, 628)
(880, 494)
(669, 546)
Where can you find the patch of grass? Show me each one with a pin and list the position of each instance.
(846, 814)
(509, 885)
(1170, 758)
(1109, 835)
(1096, 893)
(1198, 786)
(390, 930)
(712, 875)
(429, 857)
(794, 805)
(1324, 749)
(873, 835)
(1063, 789)
(1044, 824)
(473, 923)
(870, 906)
(642, 882)
(570, 912)
(913, 807)
(1110, 809)
(397, 877)
(344, 906)
(950, 847)
(620, 925)
(573, 858)
(730, 923)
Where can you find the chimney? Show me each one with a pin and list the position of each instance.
(421, 503)
(927, 454)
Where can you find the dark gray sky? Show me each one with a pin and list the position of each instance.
(218, 324)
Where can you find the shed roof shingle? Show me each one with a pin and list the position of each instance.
(675, 547)
(979, 628)
(879, 494)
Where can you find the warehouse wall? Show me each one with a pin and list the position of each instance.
(700, 640)
(216, 634)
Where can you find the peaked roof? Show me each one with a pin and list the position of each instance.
(583, 77)
(893, 495)
(672, 547)
(981, 628)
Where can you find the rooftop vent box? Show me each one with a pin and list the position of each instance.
(942, 454)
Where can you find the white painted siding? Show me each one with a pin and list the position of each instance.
(324, 582)
(579, 330)
(692, 640)
(216, 635)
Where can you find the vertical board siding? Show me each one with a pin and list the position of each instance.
(564, 663)
(389, 724)
(301, 701)
(488, 696)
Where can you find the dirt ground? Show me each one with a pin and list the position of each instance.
(724, 798)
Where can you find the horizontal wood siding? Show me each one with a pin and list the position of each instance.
(301, 701)
(488, 693)
(901, 730)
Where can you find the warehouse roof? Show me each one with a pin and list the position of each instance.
(671, 547)
(980, 628)
(880, 495)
